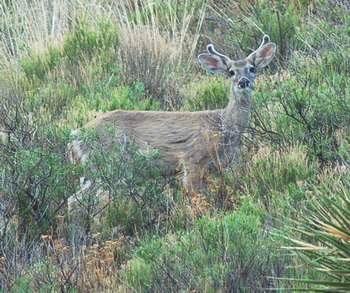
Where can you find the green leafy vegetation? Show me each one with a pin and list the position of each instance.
(277, 220)
(229, 252)
(207, 94)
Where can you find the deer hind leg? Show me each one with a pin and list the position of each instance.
(4, 136)
(193, 178)
(77, 152)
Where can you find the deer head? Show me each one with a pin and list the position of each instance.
(242, 72)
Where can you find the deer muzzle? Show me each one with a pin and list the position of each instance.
(244, 83)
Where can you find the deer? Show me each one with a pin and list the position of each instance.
(189, 143)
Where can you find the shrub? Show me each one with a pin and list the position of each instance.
(38, 180)
(35, 184)
(281, 20)
(132, 181)
(309, 107)
(229, 253)
(84, 41)
(308, 104)
(206, 95)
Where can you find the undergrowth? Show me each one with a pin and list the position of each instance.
(64, 63)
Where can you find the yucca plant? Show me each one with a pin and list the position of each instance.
(324, 242)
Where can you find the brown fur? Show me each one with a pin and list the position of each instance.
(185, 140)
(188, 142)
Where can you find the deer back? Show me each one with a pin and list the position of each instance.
(179, 136)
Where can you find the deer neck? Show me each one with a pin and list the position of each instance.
(237, 112)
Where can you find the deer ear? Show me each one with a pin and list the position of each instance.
(212, 63)
(263, 56)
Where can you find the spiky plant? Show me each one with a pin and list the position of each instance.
(324, 243)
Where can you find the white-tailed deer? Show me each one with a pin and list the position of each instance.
(189, 142)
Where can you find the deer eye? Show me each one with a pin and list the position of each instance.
(231, 72)
(252, 69)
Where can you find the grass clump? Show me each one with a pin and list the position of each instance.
(127, 98)
(39, 64)
(273, 171)
(147, 57)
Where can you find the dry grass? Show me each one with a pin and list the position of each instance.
(62, 267)
(28, 25)
(156, 42)
(148, 57)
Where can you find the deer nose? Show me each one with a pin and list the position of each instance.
(244, 82)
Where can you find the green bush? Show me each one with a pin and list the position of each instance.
(130, 98)
(281, 20)
(39, 64)
(38, 180)
(42, 276)
(228, 253)
(308, 104)
(207, 94)
(309, 107)
(103, 97)
(132, 180)
(85, 41)
(139, 275)
(23, 284)
(73, 83)
(51, 100)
